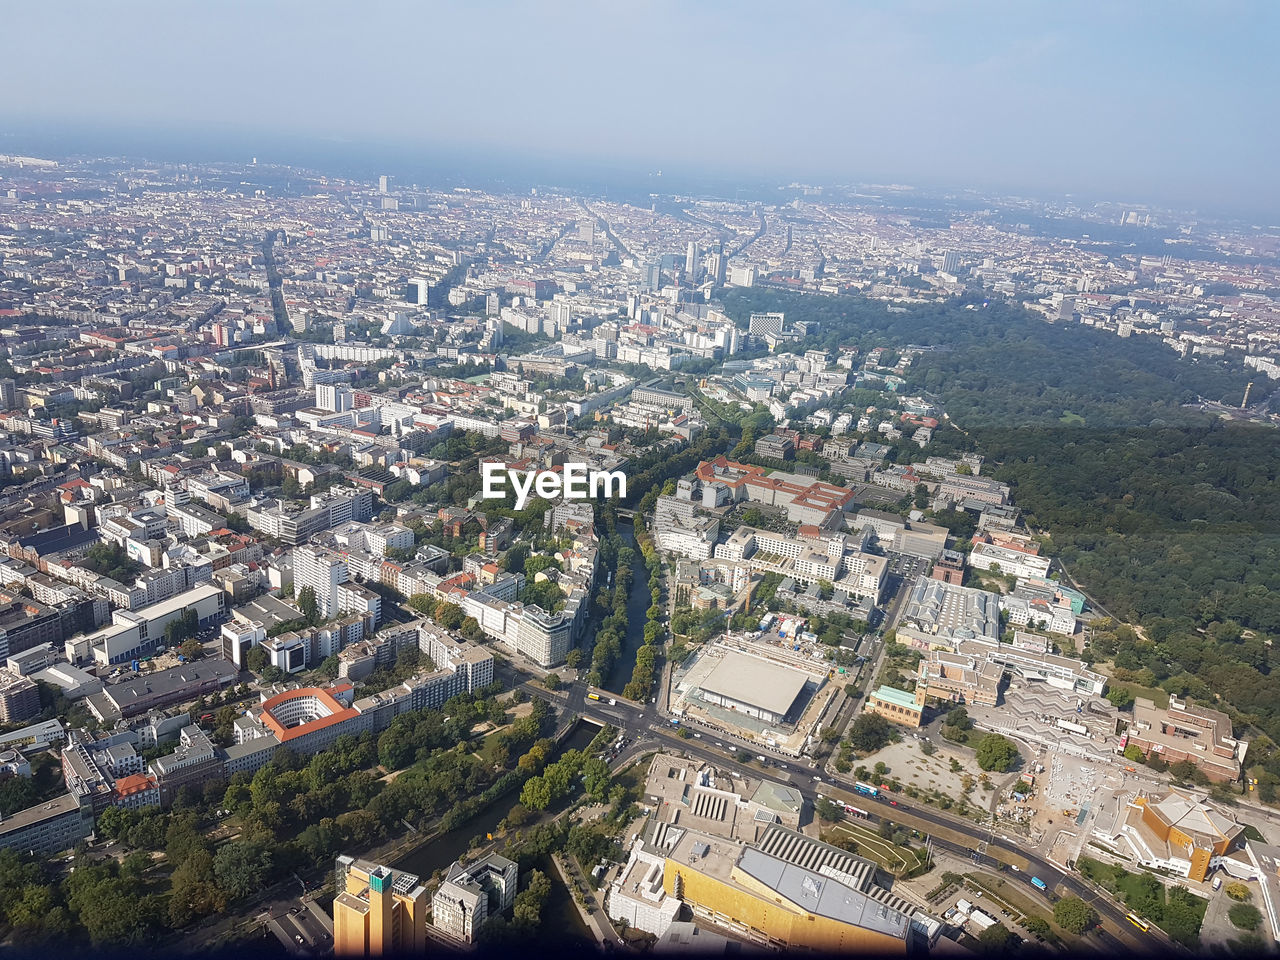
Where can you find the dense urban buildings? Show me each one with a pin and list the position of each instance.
(249, 566)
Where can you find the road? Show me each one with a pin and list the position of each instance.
(965, 838)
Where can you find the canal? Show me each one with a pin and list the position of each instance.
(638, 601)
(562, 926)
(438, 853)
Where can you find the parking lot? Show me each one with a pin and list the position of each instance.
(906, 568)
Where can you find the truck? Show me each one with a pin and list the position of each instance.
(1217, 883)
(613, 702)
(1039, 884)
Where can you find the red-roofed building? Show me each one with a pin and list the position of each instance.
(136, 791)
(308, 718)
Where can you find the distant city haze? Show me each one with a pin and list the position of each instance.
(1171, 103)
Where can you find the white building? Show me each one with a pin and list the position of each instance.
(322, 571)
(1010, 562)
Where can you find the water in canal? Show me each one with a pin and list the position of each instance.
(437, 854)
(638, 601)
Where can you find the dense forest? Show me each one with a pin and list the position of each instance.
(1168, 516)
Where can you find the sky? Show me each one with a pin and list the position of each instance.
(1171, 102)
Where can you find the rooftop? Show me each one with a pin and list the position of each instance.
(750, 680)
(895, 696)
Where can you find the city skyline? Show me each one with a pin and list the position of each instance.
(991, 97)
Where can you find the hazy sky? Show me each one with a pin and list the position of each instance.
(1162, 100)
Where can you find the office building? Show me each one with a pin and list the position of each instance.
(761, 324)
(651, 279)
(691, 260)
(1184, 732)
(717, 269)
(418, 291)
(47, 828)
(377, 911)
(471, 893)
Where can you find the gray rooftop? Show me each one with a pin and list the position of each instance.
(821, 895)
(167, 681)
(761, 684)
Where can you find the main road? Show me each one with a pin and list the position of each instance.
(981, 844)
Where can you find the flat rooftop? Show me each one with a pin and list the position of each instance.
(758, 683)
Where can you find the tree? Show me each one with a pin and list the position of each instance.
(1038, 926)
(869, 733)
(515, 559)
(552, 681)
(422, 603)
(449, 615)
(194, 894)
(1245, 916)
(1121, 697)
(241, 867)
(1133, 754)
(1074, 915)
(997, 753)
(536, 793)
(256, 659)
(997, 938)
(1237, 891)
(530, 901)
(828, 811)
(573, 658)
(191, 649)
(309, 606)
(596, 779)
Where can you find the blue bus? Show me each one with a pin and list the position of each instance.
(1039, 884)
(866, 789)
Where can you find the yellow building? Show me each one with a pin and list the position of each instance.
(788, 890)
(377, 911)
(1180, 833)
(897, 705)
